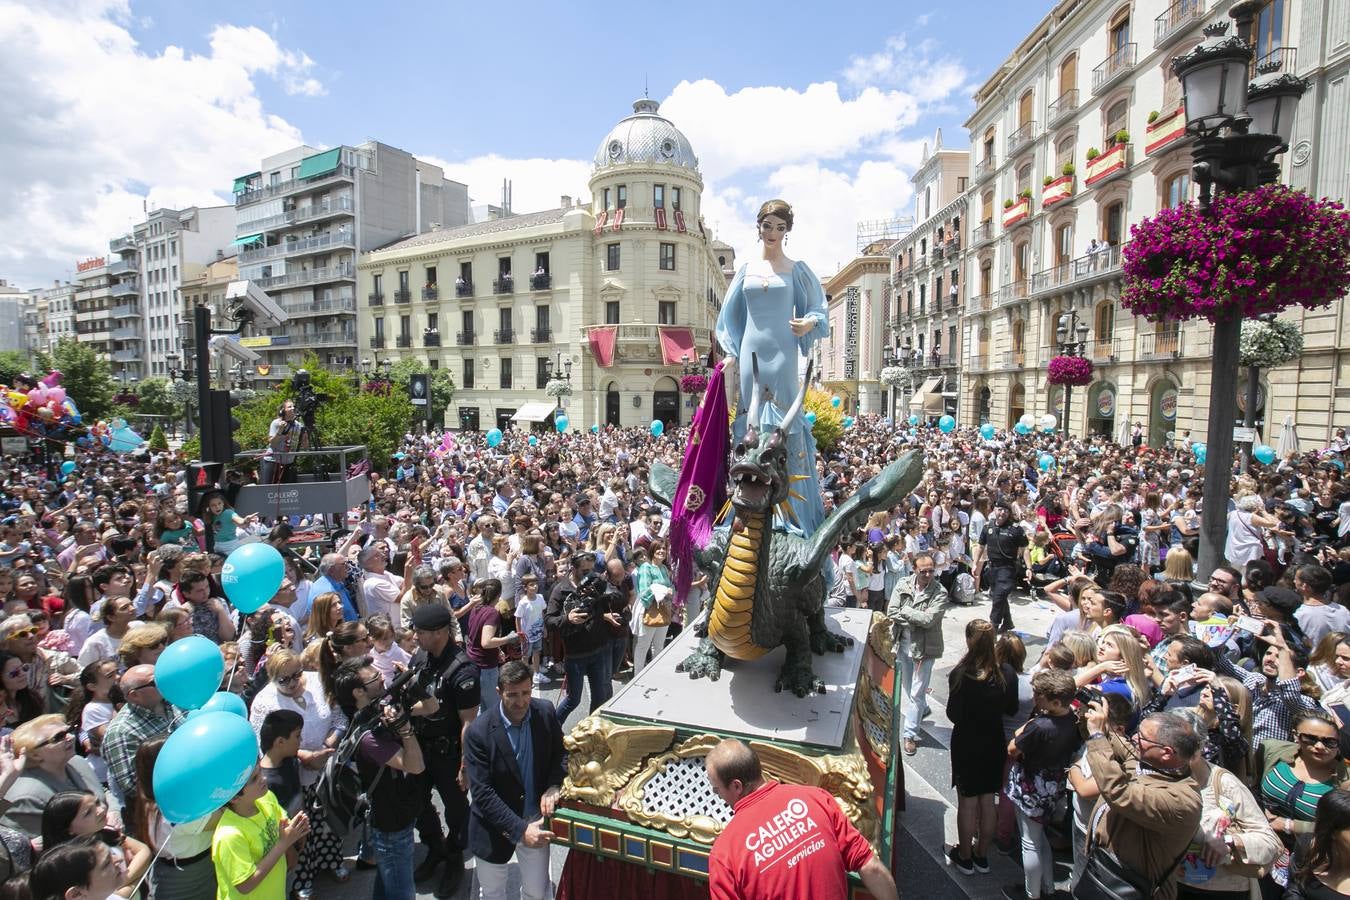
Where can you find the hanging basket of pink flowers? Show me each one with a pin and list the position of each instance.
(1255, 252)
(693, 384)
(1074, 370)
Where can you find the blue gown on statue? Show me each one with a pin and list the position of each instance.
(754, 319)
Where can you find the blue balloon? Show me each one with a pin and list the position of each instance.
(67, 467)
(595, 429)
(251, 576)
(1264, 453)
(1047, 462)
(810, 418)
(561, 422)
(1201, 452)
(534, 440)
(913, 420)
(658, 428)
(222, 701)
(848, 421)
(188, 672)
(835, 401)
(203, 764)
(987, 431)
(1022, 428)
(124, 440)
(946, 424)
(494, 437)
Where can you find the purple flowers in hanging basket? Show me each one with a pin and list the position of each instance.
(377, 387)
(1256, 252)
(693, 384)
(1074, 370)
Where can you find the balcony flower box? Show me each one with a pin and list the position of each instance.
(1020, 209)
(1165, 130)
(1109, 164)
(1057, 191)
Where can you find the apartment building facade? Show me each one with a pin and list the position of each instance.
(1079, 134)
(849, 361)
(621, 293)
(302, 219)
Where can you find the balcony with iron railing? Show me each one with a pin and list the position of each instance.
(334, 338)
(126, 356)
(541, 335)
(403, 341)
(1176, 21)
(340, 272)
(126, 311)
(983, 234)
(375, 298)
(464, 338)
(641, 341)
(324, 307)
(1083, 269)
(984, 169)
(541, 282)
(952, 247)
(463, 288)
(980, 303)
(936, 254)
(978, 362)
(339, 206)
(298, 247)
(402, 295)
(1114, 67)
(377, 342)
(1064, 106)
(1160, 345)
(504, 336)
(1019, 289)
(1021, 137)
(127, 333)
(1286, 58)
(290, 186)
(1104, 350)
(431, 292)
(129, 288)
(122, 267)
(504, 285)
(431, 339)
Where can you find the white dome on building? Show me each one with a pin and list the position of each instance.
(645, 137)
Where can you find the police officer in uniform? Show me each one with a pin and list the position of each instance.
(446, 674)
(1001, 546)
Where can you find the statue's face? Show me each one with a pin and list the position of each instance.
(772, 230)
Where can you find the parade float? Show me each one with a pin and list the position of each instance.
(812, 689)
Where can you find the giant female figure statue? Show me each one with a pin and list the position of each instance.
(775, 309)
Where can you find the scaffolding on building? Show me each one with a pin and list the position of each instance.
(883, 232)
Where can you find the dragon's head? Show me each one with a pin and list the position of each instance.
(759, 461)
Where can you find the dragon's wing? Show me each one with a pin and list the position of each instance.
(662, 481)
(882, 492)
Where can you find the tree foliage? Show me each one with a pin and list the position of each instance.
(829, 426)
(88, 379)
(12, 363)
(441, 384)
(157, 439)
(155, 400)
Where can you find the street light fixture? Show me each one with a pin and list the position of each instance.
(180, 373)
(1239, 129)
(559, 370)
(1072, 340)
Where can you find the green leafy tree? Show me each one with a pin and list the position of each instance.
(155, 399)
(441, 384)
(829, 426)
(12, 363)
(88, 380)
(157, 439)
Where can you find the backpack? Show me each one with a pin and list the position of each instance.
(340, 799)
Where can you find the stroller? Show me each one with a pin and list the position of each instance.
(1056, 565)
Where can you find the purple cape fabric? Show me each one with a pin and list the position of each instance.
(702, 489)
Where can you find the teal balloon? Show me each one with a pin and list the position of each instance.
(67, 467)
(595, 429)
(1264, 453)
(658, 428)
(848, 421)
(913, 420)
(534, 440)
(222, 701)
(561, 423)
(1022, 428)
(494, 437)
(810, 418)
(124, 440)
(1201, 452)
(835, 401)
(946, 424)
(987, 431)
(1047, 462)
(251, 576)
(203, 764)
(188, 672)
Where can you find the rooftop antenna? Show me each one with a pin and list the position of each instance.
(644, 86)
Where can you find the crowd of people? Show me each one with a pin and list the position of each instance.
(543, 561)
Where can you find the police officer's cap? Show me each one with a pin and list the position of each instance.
(432, 617)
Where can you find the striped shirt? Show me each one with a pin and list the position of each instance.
(1284, 793)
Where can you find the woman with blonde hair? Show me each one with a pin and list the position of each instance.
(143, 645)
(1083, 647)
(1179, 567)
(324, 616)
(1119, 668)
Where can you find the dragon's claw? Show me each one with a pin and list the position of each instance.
(825, 641)
(702, 662)
(799, 679)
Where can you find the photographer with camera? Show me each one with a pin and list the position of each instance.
(578, 610)
(916, 606)
(448, 679)
(391, 765)
(284, 435)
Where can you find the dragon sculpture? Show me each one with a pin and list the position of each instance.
(768, 585)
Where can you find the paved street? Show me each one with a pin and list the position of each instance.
(929, 821)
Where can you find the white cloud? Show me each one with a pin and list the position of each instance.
(92, 118)
(920, 70)
(536, 184)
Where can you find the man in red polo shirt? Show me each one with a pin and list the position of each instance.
(785, 841)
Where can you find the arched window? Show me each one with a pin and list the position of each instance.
(1113, 223)
(1024, 178)
(1064, 148)
(1022, 261)
(987, 207)
(1116, 120)
(1118, 33)
(1068, 74)
(989, 143)
(1063, 243)
(1024, 107)
(1177, 189)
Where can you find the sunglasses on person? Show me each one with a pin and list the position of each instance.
(1312, 740)
(56, 738)
(16, 673)
(289, 679)
(28, 631)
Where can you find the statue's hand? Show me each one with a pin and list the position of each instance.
(802, 327)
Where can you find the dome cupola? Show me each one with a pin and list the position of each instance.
(645, 137)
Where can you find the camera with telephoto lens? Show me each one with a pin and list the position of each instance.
(592, 597)
(307, 400)
(400, 696)
(1088, 695)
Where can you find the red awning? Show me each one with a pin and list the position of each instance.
(602, 338)
(676, 344)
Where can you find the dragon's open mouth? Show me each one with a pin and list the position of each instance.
(753, 487)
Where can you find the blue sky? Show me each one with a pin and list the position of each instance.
(827, 104)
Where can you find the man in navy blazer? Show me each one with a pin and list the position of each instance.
(515, 762)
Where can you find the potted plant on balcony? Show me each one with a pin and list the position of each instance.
(1007, 204)
(1153, 117)
(1067, 169)
(1122, 136)
(1047, 181)
(1071, 370)
(1093, 153)
(1026, 194)
(693, 384)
